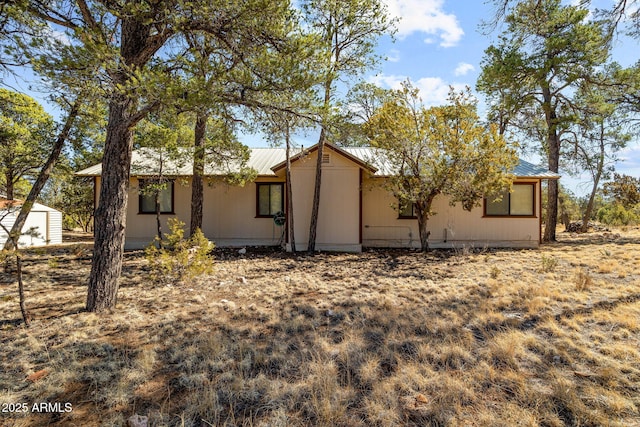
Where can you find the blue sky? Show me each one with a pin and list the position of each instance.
(439, 44)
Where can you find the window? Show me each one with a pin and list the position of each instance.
(406, 211)
(520, 202)
(147, 199)
(269, 199)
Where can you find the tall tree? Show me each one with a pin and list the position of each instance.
(622, 14)
(439, 151)
(601, 131)
(547, 51)
(348, 31)
(125, 39)
(25, 138)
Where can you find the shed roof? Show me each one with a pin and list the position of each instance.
(16, 203)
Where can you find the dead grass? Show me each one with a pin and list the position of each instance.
(383, 338)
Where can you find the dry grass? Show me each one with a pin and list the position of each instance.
(384, 338)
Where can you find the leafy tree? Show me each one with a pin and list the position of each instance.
(623, 14)
(124, 41)
(624, 189)
(547, 51)
(599, 135)
(347, 31)
(439, 151)
(25, 138)
(361, 102)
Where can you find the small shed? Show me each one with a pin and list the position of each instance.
(46, 222)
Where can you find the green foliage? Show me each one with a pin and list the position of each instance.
(624, 190)
(26, 132)
(178, 259)
(549, 264)
(440, 150)
(617, 214)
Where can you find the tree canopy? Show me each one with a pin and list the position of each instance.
(546, 53)
(439, 150)
(26, 135)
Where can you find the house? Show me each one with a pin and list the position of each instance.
(45, 222)
(355, 210)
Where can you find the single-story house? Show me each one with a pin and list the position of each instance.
(355, 210)
(42, 227)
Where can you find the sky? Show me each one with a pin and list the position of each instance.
(439, 44)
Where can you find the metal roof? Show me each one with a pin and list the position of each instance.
(145, 162)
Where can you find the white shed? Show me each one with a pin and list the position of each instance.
(45, 221)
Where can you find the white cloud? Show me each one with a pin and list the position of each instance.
(426, 16)
(394, 55)
(58, 36)
(463, 68)
(433, 90)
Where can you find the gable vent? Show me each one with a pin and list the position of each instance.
(326, 158)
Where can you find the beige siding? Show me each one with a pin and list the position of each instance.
(141, 228)
(229, 216)
(451, 226)
(339, 214)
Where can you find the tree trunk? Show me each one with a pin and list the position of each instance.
(111, 214)
(44, 174)
(553, 146)
(8, 176)
(424, 234)
(197, 187)
(313, 227)
(158, 219)
(137, 47)
(596, 181)
(422, 212)
(290, 225)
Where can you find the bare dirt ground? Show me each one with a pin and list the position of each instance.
(478, 337)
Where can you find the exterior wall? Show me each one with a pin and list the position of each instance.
(47, 225)
(450, 227)
(339, 214)
(54, 227)
(141, 228)
(229, 216)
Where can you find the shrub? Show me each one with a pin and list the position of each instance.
(583, 280)
(616, 214)
(178, 259)
(549, 264)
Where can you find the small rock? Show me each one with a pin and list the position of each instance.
(242, 251)
(242, 280)
(421, 398)
(253, 307)
(137, 421)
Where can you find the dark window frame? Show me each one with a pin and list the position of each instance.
(510, 215)
(413, 212)
(260, 184)
(141, 183)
